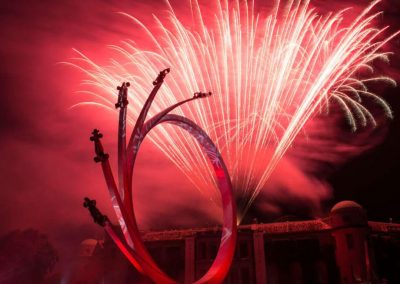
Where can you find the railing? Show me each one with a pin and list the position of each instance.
(384, 227)
(291, 227)
(271, 228)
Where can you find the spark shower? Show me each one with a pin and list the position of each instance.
(270, 72)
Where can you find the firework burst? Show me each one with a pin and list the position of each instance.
(269, 75)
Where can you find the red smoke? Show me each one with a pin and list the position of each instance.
(46, 155)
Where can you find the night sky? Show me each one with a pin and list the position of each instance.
(46, 156)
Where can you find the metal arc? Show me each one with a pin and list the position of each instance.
(222, 262)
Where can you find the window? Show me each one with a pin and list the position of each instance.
(243, 249)
(201, 250)
(245, 275)
(213, 250)
(349, 241)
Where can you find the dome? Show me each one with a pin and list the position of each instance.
(88, 247)
(347, 213)
(89, 242)
(346, 205)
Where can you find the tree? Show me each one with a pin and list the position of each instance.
(26, 257)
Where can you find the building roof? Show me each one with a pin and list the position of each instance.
(88, 247)
(89, 242)
(345, 205)
(281, 228)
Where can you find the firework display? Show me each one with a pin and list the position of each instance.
(270, 72)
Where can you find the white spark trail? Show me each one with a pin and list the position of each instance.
(269, 74)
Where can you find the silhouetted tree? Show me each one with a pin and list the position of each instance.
(25, 257)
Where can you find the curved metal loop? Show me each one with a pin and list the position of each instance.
(222, 262)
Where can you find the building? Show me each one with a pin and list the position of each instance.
(343, 248)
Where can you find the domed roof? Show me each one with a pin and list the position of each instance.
(347, 213)
(88, 247)
(346, 204)
(89, 242)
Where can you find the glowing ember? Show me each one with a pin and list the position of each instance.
(269, 74)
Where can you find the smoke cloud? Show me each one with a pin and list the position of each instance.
(46, 155)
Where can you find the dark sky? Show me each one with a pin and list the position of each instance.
(372, 179)
(46, 157)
